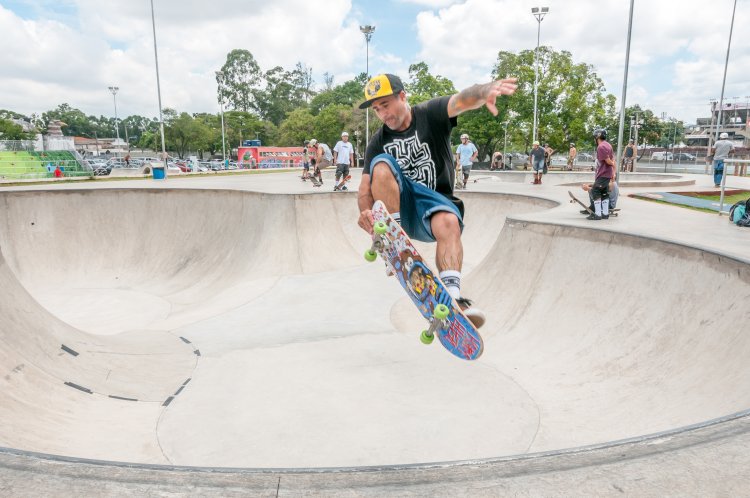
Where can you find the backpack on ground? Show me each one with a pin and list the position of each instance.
(739, 213)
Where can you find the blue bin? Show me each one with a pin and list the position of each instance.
(158, 172)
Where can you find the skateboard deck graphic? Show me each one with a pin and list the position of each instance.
(455, 332)
(573, 198)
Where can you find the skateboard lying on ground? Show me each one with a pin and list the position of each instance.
(573, 198)
(446, 320)
(342, 184)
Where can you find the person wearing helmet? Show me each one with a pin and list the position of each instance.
(572, 153)
(605, 172)
(305, 161)
(466, 154)
(536, 158)
(409, 167)
(721, 150)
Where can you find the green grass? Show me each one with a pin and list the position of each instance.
(728, 199)
(19, 163)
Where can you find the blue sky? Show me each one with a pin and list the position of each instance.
(71, 50)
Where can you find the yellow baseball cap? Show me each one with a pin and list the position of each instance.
(382, 85)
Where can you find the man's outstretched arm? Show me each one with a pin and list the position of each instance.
(476, 96)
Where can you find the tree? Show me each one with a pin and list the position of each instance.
(278, 97)
(424, 86)
(330, 122)
(241, 80)
(348, 93)
(77, 122)
(12, 131)
(298, 127)
(571, 98)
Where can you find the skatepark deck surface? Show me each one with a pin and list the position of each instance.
(225, 335)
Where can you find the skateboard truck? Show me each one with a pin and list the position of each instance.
(377, 241)
(438, 322)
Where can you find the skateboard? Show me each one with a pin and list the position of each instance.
(573, 198)
(342, 184)
(446, 320)
(315, 181)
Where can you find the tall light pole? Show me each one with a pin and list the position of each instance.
(621, 128)
(511, 115)
(220, 79)
(367, 31)
(538, 13)
(114, 90)
(158, 92)
(721, 103)
(724, 81)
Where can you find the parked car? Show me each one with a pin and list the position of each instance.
(172, 169)
(584, 157)
(99, 167)
(683, 156)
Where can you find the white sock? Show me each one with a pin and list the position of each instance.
(605, 207)
(598, 207)
(397, 217)
(452, 281)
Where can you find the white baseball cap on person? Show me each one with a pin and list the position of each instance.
(345, 134)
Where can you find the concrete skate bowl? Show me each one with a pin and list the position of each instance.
(575, 178)
(242, 330)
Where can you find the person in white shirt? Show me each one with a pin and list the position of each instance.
(343, 158)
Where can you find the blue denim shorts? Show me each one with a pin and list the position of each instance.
(418, 202)
(538, 165)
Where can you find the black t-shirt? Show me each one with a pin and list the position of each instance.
(423, 150)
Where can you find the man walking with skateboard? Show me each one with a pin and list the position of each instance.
(409, 167)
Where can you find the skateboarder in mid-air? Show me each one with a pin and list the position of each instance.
(409, 167)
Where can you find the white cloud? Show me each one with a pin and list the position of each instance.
(677, 49)
(676, 62)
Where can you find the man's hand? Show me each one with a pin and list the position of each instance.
(497, 88)
(366, 221)
(476, 96)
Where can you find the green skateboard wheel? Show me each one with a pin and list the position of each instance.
(380, 228)
(426, 339)
(371, 255)
(441, 312)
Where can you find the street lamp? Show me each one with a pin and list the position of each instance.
(511, 115)
(158, 92)
(114, 90)
(357, 133)
(220, 79)
(538, 13)
(367, 31)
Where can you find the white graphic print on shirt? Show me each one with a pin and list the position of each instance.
(414, 158)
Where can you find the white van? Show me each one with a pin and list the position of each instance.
(659, 156)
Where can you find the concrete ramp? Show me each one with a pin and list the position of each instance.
(223, 328)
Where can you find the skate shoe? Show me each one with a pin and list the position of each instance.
(593, 217)
(474, 314)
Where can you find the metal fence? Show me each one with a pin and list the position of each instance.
(739, 166)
